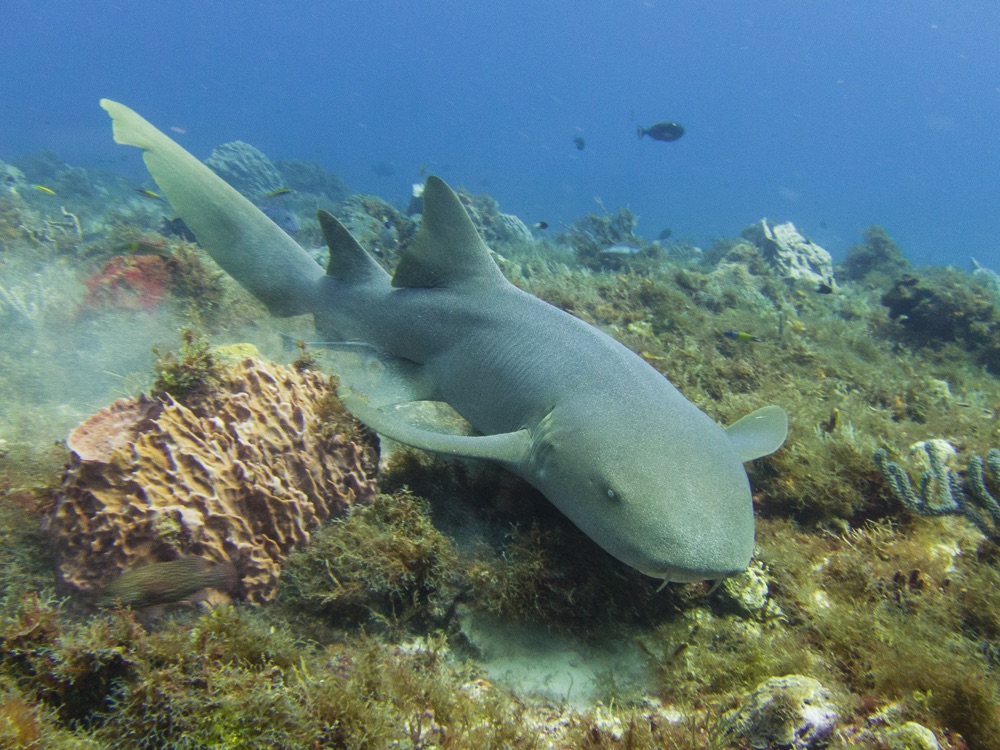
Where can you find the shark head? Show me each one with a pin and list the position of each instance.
(657, 484)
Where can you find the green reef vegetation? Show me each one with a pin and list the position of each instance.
(877, 571)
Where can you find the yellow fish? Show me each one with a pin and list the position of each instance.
(740, 336)
(43, 189)
(279, 191)
(149, 194)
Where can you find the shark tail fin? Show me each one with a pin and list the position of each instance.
(249, 246)
(447, 250)
(349, 261)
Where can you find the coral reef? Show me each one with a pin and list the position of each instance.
(128, 281)
(942, 491)
(193, 371)
(878, 257)
(591, 235)
(791, 711)
(496, 228)
(245, 168)
(792, 256)
(240, 476)
(310, 177)
(939, 309)
(869, 582)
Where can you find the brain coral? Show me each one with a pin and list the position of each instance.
(239, 476)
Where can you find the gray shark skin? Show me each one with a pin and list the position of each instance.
(606, 438)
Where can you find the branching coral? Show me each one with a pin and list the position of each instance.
(942, 490)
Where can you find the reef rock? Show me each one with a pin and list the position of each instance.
(239, 477)
(790, 254)
(792, 711)
(746, 593)
(911, 736)
(310, 177)
(245, 168)
(11, 178)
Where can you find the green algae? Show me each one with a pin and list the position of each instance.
(365, 646)
(876, 261)
(384, 565)
(191, 372)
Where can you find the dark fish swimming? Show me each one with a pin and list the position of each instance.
(177, 228)
(580, 143)
(384, 169)
(662, 131)
(167, 582)
(282, 217)
(824, 288)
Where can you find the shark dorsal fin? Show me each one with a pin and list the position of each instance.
(348, 260)
(447, 250)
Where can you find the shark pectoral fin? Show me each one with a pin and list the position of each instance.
(504, 448)
(759, 433)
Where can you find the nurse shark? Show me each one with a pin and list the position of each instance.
(606, 438)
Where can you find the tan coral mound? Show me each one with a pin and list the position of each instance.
(241, 476)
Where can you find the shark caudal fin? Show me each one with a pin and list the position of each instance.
(249, 246)
(447, 250)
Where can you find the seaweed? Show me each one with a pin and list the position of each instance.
(189, 373)
(875, 260)
(384, 566)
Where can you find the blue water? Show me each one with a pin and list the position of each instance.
(835, 115)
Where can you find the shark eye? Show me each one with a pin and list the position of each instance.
(611, 494)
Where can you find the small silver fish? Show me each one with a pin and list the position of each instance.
(620, 250)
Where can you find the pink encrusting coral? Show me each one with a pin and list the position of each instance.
(240, 476)
(128, 281)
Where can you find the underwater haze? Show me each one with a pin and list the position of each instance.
(833, 115)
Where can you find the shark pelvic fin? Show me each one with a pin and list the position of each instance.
(348, 260)
(447, 250)
(759, 433)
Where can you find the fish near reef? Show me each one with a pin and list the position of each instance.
(662, 131)
(606, 438)
(741, 336)
(167, 582)
(282, 217)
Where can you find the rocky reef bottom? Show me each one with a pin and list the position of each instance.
(220, 557)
